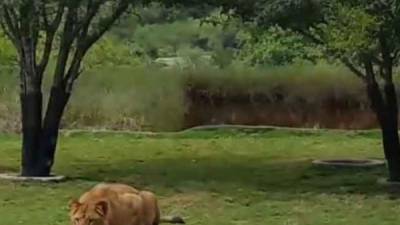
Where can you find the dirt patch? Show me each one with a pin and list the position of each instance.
(184, 200)
(5, 169)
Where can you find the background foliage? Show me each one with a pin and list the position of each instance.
(123, 86)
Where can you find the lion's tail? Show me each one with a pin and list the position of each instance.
(172, 219)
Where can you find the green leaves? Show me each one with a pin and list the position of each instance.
(110, 52)
(8, 55)
(349, 30)
(294, 14)
(277, 47)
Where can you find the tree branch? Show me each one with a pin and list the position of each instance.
(51, 29)
(369, 71)
(11, 27)
(85, 40)
(387, 63)
(65, 45)
(353, 68)
(29, 34)
(91, 10)
(106, 24)
(310, 36)
(8, 33)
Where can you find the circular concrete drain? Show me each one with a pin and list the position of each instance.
(17, 177)
(349, 163)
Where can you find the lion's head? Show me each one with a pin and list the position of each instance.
(88, 213)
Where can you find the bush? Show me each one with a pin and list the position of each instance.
(276, 47)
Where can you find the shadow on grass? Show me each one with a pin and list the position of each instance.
(218, 175)
(8, 169)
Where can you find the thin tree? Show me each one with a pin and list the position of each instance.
(41, 30)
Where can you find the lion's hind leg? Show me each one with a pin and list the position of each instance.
(150, 207)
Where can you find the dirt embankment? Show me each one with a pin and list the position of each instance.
(203, 108)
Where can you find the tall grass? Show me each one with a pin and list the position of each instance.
(127, 98)
(9, 100)
(312, 84)
(110, 98)
(141, 98)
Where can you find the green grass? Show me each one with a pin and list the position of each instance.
(212, 177)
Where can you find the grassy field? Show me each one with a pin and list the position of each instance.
(212, 177)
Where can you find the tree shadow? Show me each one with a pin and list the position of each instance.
(288, 178)
(8, 169)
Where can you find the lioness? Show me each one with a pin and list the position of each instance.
(117, 204)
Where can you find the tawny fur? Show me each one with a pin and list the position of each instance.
(117, 204)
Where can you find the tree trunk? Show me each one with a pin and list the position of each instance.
(386, 110)
(40, 139)
(31, 104)
(391, 147)
(51, 124)
(390, 133)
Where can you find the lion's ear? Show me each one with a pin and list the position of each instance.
(101, 208)
(74, 204)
